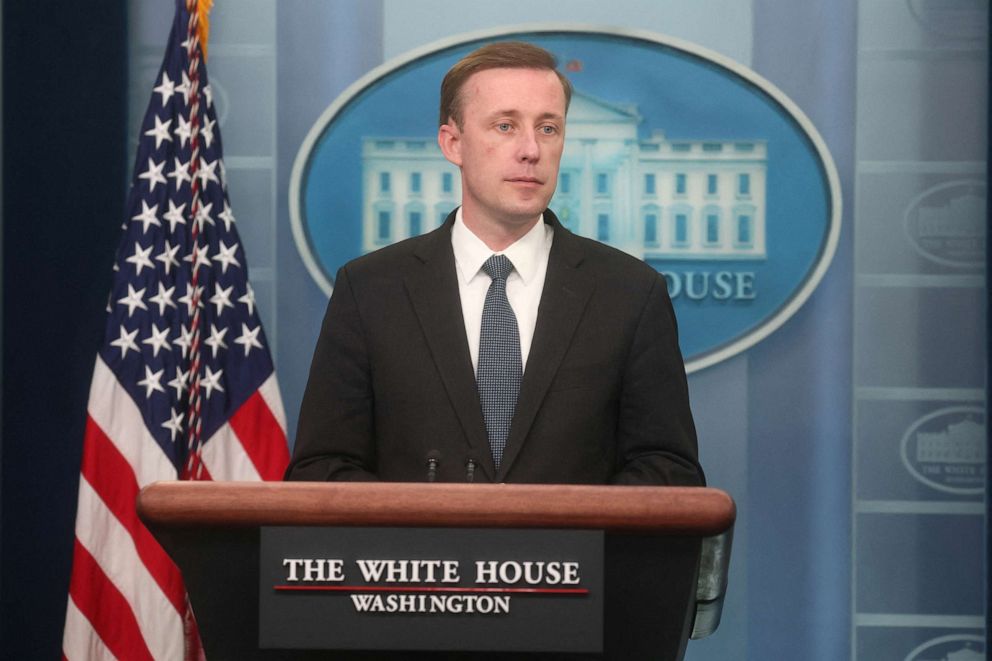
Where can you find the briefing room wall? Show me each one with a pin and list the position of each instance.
(775, 422)
(919, 382)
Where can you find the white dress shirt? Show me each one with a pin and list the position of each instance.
(529, 255)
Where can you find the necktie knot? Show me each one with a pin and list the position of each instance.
(498, 267)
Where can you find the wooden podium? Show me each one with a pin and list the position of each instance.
(666, 549)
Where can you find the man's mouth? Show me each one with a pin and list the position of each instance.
(525, 180)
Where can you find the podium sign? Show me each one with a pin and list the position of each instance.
(431, 589)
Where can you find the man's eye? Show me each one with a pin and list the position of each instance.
(503, 126)
(548, 130)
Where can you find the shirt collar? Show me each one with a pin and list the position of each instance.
(471, 252)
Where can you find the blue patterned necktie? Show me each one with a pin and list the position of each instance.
(500, 367)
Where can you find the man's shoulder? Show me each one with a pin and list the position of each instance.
(398, 257)
(609, 263)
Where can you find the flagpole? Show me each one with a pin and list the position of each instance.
(193, 467)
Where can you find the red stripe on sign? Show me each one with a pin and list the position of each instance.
(99, 600)
(113, 479)
(262, 437)
(389, 588)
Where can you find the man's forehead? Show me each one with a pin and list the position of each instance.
(513, 86)
(498, 75)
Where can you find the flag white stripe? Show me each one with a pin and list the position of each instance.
(113, 410)
(111, 545)
(79, 640)
(225, 457)
(269, 391)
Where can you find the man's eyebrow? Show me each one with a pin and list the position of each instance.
(516, 113)
(504, 113)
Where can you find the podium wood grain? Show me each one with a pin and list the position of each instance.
(692, 511)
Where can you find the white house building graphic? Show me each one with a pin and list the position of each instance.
(653, 198)
(958, 443)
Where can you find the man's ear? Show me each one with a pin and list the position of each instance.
(449, 140)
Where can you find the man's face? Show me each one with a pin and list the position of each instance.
(508, 146)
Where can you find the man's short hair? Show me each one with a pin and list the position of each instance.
(499, 55)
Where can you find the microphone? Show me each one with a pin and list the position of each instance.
(470, 471)
(433, 459)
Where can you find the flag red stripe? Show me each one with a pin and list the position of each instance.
(204, 475)
(262, 437)
(112, 477)
(202, 471)
(105, 607)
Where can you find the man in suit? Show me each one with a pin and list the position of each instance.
(499, 347)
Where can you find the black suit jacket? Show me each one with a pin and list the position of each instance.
(603, 397)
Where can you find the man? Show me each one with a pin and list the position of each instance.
(499, 347)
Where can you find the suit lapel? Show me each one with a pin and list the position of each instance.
(433, 291)
(566, 292)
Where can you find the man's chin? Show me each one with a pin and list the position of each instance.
(520, 213)
(527, 215)
(529, 209)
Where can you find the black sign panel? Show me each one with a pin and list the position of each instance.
(431, 589)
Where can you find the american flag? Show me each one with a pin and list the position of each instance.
(183, 386)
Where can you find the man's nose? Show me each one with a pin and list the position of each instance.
(529, 149)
